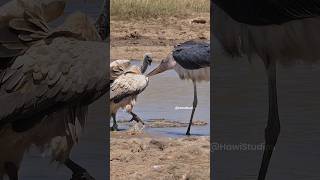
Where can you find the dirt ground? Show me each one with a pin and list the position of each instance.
(132, 38)
(139, 156)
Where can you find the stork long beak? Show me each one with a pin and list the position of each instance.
(161, 68)
(166, 64)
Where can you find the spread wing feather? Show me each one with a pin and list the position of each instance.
(48, 76)
(19, 33)
(127, 85)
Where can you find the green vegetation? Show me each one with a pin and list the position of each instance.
(124, 9)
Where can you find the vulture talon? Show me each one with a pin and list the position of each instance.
(114, 128)
(82, 176)
(136, 118)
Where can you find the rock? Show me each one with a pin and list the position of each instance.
(198, 21)
(136, 128)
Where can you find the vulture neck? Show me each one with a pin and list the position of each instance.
(144, 66)
(102, 21)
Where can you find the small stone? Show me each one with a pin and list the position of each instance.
(156, 167)
(198, 21)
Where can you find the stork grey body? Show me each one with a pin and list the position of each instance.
(128, 82)
(48, 78)
(191, 60)
(277, 32)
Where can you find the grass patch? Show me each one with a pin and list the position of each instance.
(140, 9)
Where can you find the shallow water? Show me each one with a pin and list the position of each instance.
(165, 92)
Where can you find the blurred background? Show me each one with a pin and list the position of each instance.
(91, 151)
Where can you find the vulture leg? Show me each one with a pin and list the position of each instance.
(195, 103)
(11, 170)
(136, 118)
(79, 173)
(272, 129)
(115, 125)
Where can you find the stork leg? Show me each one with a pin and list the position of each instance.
(115, 125)
(136, 118)
(272, 129)
(195, 103)
(79, 173)
(11, 170)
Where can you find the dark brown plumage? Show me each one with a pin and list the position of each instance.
(48, 78)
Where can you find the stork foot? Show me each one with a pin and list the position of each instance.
(136, 118)
(188, 133)
(82, 176)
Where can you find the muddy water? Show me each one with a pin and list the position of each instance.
(166, 92)
(91, 151)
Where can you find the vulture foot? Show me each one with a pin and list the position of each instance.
(79, 173)
(82, 176)
(114, 128)
(136, 118)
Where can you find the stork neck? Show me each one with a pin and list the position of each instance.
(102, 21)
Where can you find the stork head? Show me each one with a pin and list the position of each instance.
(166, 64)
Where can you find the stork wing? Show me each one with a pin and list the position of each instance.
(127, 85)
(269, 11)
(118, 67)
(192, 54)
(49, 76)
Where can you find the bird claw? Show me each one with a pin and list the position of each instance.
(114, 128)
(82, 176)
(188, 132)
(137, 119)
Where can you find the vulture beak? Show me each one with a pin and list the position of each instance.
(165, 65)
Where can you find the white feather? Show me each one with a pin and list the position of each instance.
(129, 84)
(118, 67)
(202, 74)
(293, 42)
